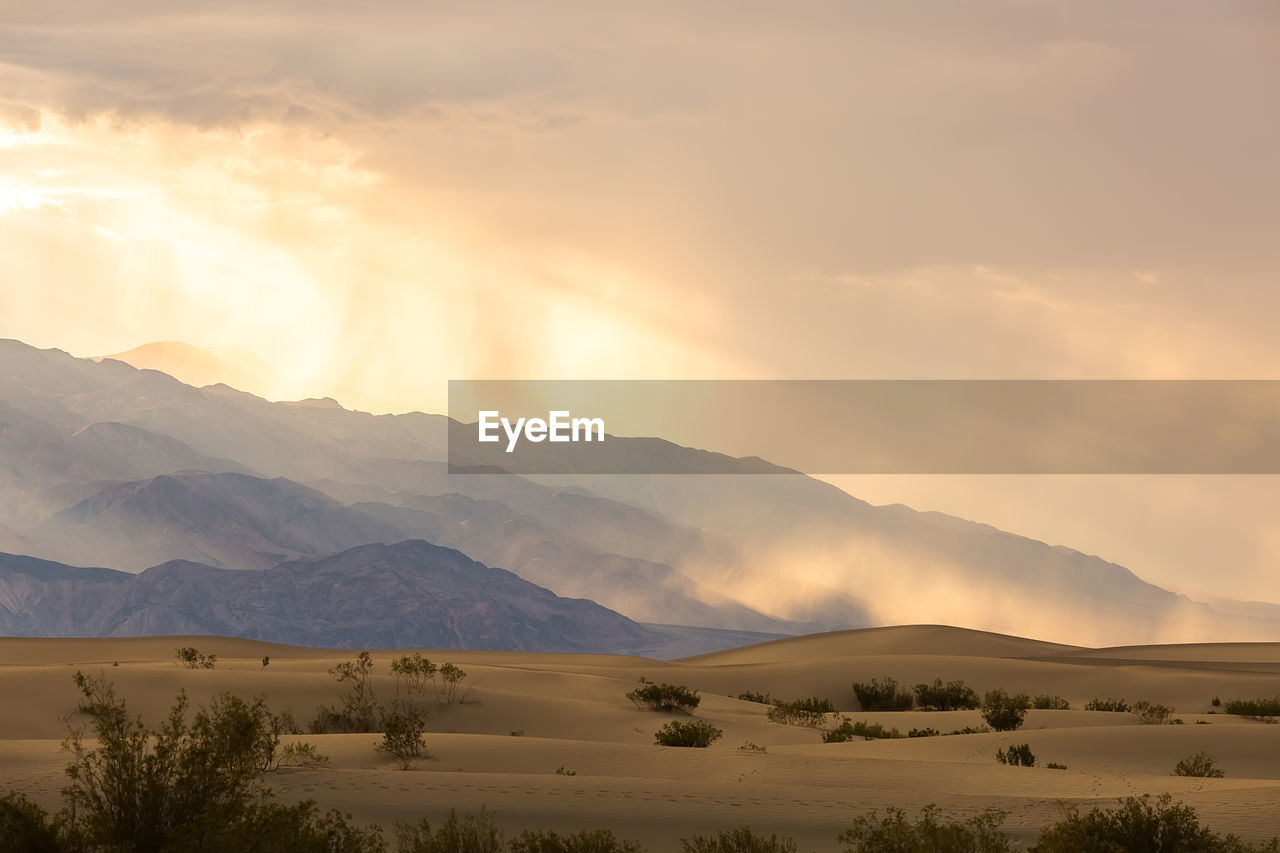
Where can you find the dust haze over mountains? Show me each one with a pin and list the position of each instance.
(102, 464)
(1060, 190)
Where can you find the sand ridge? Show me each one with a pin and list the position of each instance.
(533, 714)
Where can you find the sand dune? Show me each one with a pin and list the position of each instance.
(894, 640)
(569, 712)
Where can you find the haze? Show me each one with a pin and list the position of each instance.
(371, 204)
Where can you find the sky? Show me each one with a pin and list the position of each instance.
(385, 196)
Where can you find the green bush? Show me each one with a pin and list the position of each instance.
(1045, 702)
(301, 828)
(952, 696)
(740, 840)
(412, 674)
(359, 711)
(1151, 714)
(452, 686)
(1116, 705)
(402, 738)
(180, 786)
(469, 833)
(893, 833)
(926, 732)
(815, 705)
(671, 698)
(585, 841)
(192, 659)
(883, 695)
(1004, 713)
(300, 754)
(760, 698)
(1017, 756)
(1053, 765)
(1139, 824)
(848, 730)
(700, 734)
(27, 828)
(1199, 764)
(803, 712)
(1253, 707)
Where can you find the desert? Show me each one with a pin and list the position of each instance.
(531, 715)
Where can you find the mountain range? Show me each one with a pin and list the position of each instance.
(104, 464)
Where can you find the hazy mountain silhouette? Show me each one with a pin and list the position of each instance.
(232, 520)
(104, 464)
(406, 595)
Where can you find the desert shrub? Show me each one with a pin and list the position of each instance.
(671, 698)
(761, 698)
(849, 730)
(1045, 702)
(286, 724)
(300, 754)
(176, 787)
(932, 732)
(1053, 765)
(803, 712)
(585, 841)
(301, 828)
(413, 674)
(952, 696)
(1139, 824)
(359, 710)
(470, 833)
(266, 661)
(893, 833)
(565, 771)
(878, 695)
(402, 737)
(815, 704)
(1253, 707)
(452, 686)
(242, 731)
(192, 659)
(1199, 764)
(700, 734)
(1003, 712)
(750, 746)
(740, 840)
(1017, 756)
(1117, 705)
(27, 828)
(1151, 714)
(97, 695)
(143, 788)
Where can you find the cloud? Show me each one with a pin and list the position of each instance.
(386, 196)
(867, 137)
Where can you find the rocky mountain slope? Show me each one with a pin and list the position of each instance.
(104, 464)
(406, 595)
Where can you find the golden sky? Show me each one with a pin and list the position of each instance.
(385, 196)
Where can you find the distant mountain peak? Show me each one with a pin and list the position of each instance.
(316, 403)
